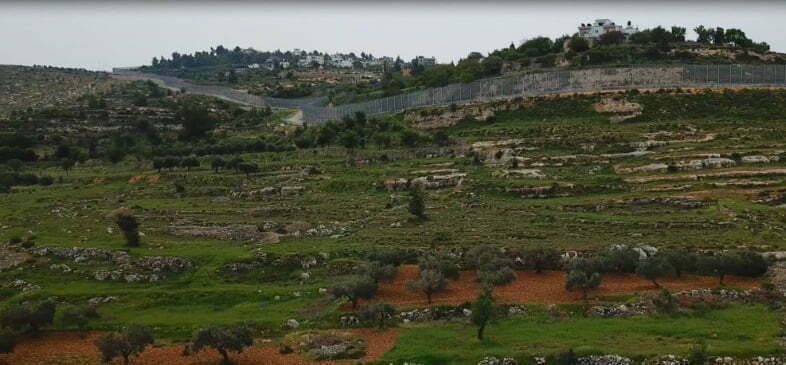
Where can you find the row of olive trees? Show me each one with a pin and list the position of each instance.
(31, 317)
(217, 163)
(134, 339)
(585, 274)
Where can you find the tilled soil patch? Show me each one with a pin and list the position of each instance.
(70, 348)
(547, 287)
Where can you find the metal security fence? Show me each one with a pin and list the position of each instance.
(532, 84)
(567, 82)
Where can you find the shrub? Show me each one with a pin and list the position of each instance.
(750, 264)
(7, 342)
(355, 288)
(392, 256)
(129, 225)
(131, 341)
(417, 205)
(28, 317)
(502, 275)
(378, 313)
(217, 163)
(248, 168)
(621, 259)
(698, 354)
(223, 339)
(46, 180)
(665, 302)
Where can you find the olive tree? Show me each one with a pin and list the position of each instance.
(654, 268)
(482, 312)
(582, 279)
(378, 271)
(542, 258)
(356, 288)
(223, 339)
(77, 316)
(439, 262)
(429, 281)
(132, 340)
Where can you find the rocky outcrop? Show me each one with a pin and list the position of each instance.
(438, 179)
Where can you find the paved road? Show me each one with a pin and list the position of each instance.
(226, 93)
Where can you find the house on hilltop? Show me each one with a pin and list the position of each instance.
(603, 26)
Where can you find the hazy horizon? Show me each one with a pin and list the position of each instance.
(102, 35)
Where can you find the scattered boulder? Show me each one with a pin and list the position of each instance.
(292, 190)
(755, 159)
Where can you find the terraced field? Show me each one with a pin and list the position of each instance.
(673, 169)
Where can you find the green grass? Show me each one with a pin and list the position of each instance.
(741, 331)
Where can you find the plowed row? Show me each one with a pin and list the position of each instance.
(547, 287)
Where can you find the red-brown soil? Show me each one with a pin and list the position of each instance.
(547, 287)
(70, 348)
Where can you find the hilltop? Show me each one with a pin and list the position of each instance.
(348, 78)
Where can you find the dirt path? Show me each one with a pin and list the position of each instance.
(69, 348)
(545, 288)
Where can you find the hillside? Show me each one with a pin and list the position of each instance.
(243, 218)
(23, 87)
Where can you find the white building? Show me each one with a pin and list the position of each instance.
(425, 61)
(603, 26)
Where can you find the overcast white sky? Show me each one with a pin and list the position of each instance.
(102, 35)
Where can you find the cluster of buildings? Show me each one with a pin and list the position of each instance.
(603, 26)
(302, 59)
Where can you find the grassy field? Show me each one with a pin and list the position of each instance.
(739, 331)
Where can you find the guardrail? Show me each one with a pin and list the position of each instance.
(533, 84)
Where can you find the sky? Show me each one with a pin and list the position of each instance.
(99, 35)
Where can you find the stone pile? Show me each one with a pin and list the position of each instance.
(491, 360)
(82, 254)
(267, 191)
(142, 269)
(604, 360)
(22, 285)
(619, 310)
(101, 300)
